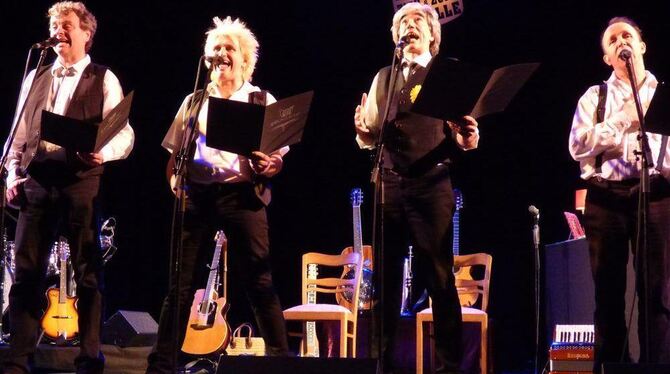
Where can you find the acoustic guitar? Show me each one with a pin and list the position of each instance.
(365, 292)
(466, 298)
(207, 330)
(61, 320)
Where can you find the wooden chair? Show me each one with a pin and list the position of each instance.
(470, 292)
(347, 317)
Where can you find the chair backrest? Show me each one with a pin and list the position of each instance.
(471, 290)
(351, 262)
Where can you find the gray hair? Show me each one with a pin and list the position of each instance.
(431, 18)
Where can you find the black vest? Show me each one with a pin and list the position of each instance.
(86, 104)
(414, 143)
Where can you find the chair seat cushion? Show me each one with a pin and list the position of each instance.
(317, 312)
(464, 310)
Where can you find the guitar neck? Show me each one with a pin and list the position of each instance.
(358, 232)
(63, 256)
(62, 291)
(456, 224)
(211, 279)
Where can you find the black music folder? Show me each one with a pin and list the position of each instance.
(85, 136)
(658, 114)
(453, 89)
(243, 128)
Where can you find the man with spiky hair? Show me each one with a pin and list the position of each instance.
(604, 139)
(419, 200)
(224, 190)
(55, 188)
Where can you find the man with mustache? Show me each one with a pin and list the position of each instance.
(224, 190)
(419, 200)
(604, 139)
(56, 188)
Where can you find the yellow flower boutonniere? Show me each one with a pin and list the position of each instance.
(414, 92)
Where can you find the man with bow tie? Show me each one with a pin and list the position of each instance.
(419, 200)
(55, 188)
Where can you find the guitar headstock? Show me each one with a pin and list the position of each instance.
(356, 197)
(458, 196)
(63, 249)
(220, 238)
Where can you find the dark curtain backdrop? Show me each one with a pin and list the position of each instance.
(334, 48)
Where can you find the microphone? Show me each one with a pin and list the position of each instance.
(402, 42)
(536, 228)
(625, 54)
(52, 41)
(216, 59)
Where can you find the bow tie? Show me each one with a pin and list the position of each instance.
(64, 72)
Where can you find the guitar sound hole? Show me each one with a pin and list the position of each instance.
(365, 292)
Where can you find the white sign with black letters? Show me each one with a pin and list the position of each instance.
(447, 10)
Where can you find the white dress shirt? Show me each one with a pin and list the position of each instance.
(211, 165)
(614, 138)
(58, 100)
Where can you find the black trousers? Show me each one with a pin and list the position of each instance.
(236, 209)
(610, 223)
(418, 212)
(62, 206)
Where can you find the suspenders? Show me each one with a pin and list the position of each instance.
(600, 116)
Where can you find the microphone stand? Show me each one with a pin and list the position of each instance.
(378, 205)
(536, 246)
(18, 113)
(179, 207)
(643, 200)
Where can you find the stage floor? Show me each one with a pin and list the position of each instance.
(52, 359)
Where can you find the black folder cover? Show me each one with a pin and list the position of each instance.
(243, 128)
(453, 89)
(84, 136)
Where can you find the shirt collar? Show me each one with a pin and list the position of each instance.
(649, 81)
(422, 59)
(242, 92)
(78, 67)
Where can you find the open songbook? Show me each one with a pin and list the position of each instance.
(85, 136)
(453, 89)
(243, 128)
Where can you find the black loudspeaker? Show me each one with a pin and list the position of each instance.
(130, 329)
(295, 365)
(616, 368)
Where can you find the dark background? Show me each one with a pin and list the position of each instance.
(334, 48)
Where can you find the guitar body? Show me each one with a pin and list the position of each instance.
(61, 320)
(209, 333)
(366, 282)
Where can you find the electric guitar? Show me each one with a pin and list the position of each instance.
(207, 330)
(61, 320)
(365, 293)
(467, 299)
(310, 346)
